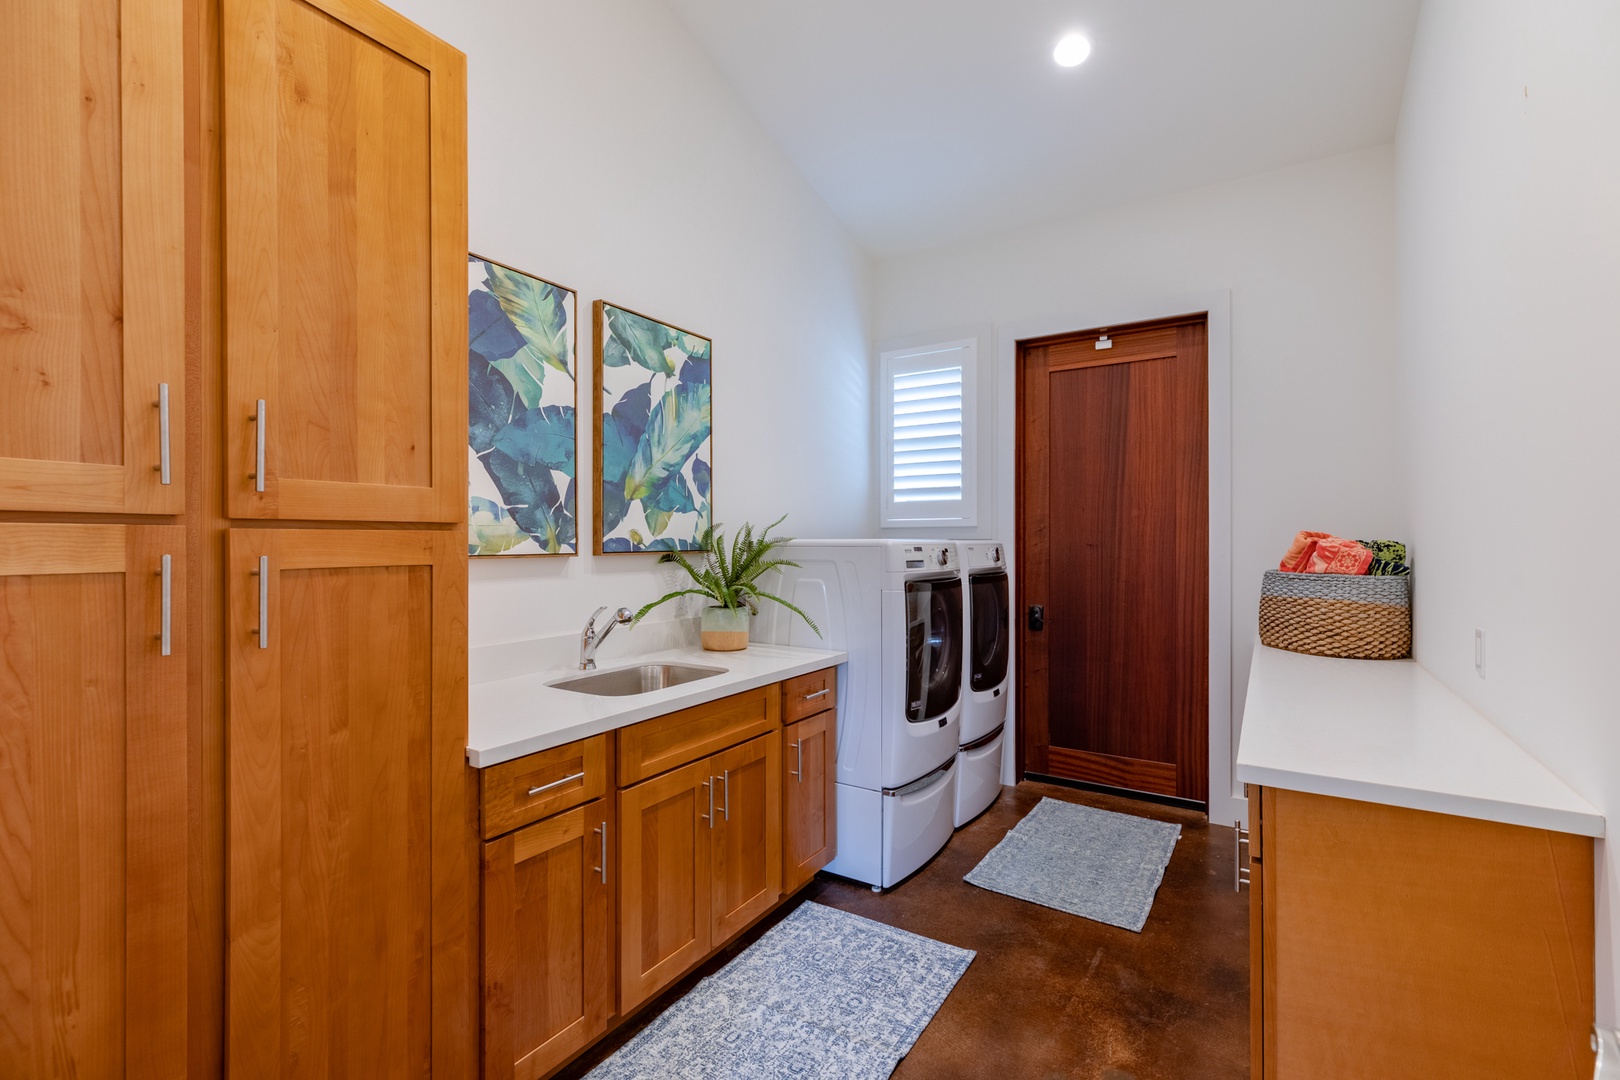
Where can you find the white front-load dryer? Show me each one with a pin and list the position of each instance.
(897, 608)
(988, 638)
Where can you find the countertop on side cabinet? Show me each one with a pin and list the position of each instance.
(1386, 731)
(508, 718)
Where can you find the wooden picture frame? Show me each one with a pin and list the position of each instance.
(652, 462)
(523, 429)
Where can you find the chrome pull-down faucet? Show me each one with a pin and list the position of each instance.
(589, 639)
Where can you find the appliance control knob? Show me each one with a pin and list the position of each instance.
(944, 556)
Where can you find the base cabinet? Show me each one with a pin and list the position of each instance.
(664, 888)
(809, 800)
(548, 941)
(660, 843)
(1395, 942)
(701, 860)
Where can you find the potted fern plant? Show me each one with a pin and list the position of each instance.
(731, 583)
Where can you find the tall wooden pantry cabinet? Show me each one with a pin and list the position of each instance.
(236, 823)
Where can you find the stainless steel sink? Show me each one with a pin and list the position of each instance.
(642, 679)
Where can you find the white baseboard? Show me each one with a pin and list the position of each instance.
(1606, 1041)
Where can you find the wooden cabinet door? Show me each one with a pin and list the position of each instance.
(809, 823)
(747, 860)
(548, 951)
(664, 885)
(345, 275)
(92, 802)
(350, 828)
(92, 241)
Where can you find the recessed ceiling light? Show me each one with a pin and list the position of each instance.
(1072, 51)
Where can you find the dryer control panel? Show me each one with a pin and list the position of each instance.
(915, 557)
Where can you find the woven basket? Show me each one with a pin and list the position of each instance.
(1362, 617)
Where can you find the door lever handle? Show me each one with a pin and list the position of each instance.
(1037, 618)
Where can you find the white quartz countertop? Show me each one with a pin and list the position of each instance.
(508, 718)
(1386, 731)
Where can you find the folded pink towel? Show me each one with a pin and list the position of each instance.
(1324, 553)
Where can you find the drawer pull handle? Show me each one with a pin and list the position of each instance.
(1240, 873)
(258, 446)
(798, 760)
(823, 692)
(263, 574)
(603, 868)
(166, 626)
(164, 475)
(555, 784)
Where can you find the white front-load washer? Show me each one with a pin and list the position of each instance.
(896, 607)
(988, 638)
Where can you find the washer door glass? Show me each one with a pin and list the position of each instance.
(991, 633)
(933, 647)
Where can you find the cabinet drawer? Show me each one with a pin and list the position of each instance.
(532, 787)
(668, 742)
(809, 694)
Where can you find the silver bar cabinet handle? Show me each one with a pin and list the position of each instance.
(165, 635)
(725, 778)
(709, 787)
(603, 868)
(164, 476)
(556, 783)
(823, 692)
(264, 601)
(798, 759)
(258, 446)
(1240, 873)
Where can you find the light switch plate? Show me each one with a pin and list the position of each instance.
(1606, 1041)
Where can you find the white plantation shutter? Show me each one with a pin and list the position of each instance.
(927, 461)
(928, 464)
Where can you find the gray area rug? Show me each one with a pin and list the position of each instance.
(822, 994)
(1088, 862)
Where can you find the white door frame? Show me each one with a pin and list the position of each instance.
(1226, 802)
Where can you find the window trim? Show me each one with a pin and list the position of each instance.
(923, 357)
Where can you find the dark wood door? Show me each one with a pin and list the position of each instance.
(1114, 546)
(548, 946)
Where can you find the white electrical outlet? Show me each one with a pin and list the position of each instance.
(1606, 1041)
(1479, 652)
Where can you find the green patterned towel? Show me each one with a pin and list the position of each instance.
(1389, 557)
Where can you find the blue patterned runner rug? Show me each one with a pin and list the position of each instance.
(1088, 862)
(822, 994)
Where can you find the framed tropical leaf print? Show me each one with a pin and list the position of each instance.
(653, 435)
(521, 413)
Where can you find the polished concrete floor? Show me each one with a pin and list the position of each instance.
(1052, 995)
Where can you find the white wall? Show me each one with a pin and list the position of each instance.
(1307, 254)
(1509, 277)
(606, 153)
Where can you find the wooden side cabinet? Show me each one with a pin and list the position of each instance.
(1397, 942)
(345, 158)
(93, 915)
(351, 884)
(809, 801)
(548, 941)
(92, 304)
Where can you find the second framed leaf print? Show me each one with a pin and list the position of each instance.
(521, 413)
(653, 434)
